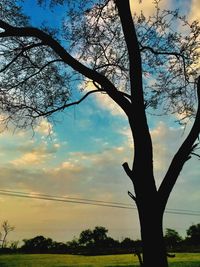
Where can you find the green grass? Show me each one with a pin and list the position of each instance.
(50, 260)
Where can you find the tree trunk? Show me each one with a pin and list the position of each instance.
(153, 245)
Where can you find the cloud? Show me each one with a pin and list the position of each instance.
(166, 140)
(84, 172)
(79, 172)
(194, 11)
(70, 166)
(35, 157)
(102, 99)
(106, 103)
(56, 145)
(94, 175)
(147, 7)
(44, 127)
(22, 148)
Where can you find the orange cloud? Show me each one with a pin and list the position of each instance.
(147, 7)
(194, 12)
(31, 158)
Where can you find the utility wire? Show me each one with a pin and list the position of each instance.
(88, 201)
(67, 198)
(83, 201)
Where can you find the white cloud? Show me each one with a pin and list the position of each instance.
(44, 127)
(166, 142)
(35, 157)
(70, 166)
(106, 103)
(103, 100)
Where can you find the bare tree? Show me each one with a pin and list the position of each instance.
(104, 44)
(6, 229)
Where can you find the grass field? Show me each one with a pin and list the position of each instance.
(50, 260)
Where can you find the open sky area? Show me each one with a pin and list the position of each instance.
(81, 156)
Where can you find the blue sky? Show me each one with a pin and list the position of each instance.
(39, 14)
(82, 158)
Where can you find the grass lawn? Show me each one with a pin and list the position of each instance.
(51, 260)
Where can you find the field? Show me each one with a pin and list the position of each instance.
(50, 260)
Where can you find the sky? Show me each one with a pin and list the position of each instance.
(81, 156)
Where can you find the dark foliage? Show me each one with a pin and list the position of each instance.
(97, 242)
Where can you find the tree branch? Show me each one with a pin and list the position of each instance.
(37, 72)
(123, 93)
(111, 65)
(19, 54)
(127, 170)
(176, 54)
(108, 86)
(41, 113)
(132, 196)
(181, 157)
(195, 154)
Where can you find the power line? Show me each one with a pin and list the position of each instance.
(88, 201)
(67, 198)
(64, 200)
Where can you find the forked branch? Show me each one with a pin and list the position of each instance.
(181, 156)
(107, 85)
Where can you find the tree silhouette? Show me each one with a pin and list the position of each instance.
(116, 52)
(38, 244)
(193, 234)
(86, 238)
(93, 237)
(6, 229)
(172, 238)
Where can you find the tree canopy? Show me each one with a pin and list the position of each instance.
(193, 234)
(39, 76)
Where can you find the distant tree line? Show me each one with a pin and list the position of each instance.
(97, 242)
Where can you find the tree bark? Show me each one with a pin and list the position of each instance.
(151, 226)
(146, 195)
